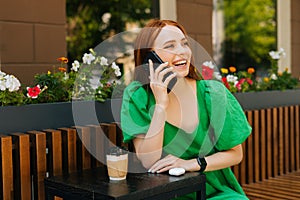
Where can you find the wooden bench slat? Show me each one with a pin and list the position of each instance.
(277, 187)
(286, 186)
(287, 165)
(269, 139)
(249, 152)
(110, 132)
(262, 195)
(83, 145)
(6, 167)
(97, 145)
(38, 162)
(279, 163)
(69, 150)
(54, 157)
(22, 176)
(292, 142)
(297, 136)
(263, 146)
(257, 153)
(274, 148)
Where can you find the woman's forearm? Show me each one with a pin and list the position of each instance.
(224, 159)
(149, 147)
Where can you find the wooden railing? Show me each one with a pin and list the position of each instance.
(273, 148)
(27, 158)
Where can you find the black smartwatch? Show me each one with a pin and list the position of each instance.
(202, 163)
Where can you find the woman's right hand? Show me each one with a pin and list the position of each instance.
(158, 84)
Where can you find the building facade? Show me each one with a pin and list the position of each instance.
(33, 34)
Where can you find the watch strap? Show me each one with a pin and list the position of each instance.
(202, 163)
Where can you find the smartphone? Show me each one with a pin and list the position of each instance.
(156, 62)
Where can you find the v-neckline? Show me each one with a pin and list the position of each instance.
(198, 113)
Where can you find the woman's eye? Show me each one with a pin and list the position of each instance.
(186, 44)
(169, 46)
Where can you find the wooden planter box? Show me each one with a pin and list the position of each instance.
(268, 99)
(67, 114)
(57, 115)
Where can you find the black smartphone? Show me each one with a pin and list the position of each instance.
(156, 62)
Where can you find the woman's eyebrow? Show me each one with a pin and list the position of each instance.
(171, 41)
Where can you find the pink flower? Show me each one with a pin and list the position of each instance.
(33, 92)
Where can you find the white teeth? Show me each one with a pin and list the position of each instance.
(183, 62)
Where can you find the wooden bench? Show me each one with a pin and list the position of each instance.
(26, 159)
(271, 154)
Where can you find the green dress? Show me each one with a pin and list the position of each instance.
(218, 111)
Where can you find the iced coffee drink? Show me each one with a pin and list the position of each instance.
(117, 164)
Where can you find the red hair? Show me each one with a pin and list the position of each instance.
(146, 38)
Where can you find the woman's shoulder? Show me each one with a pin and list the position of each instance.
(135, 90)
(134, 86)
(211, 86)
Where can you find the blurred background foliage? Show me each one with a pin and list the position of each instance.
(249, 27)
(92, 21)
(250, 33)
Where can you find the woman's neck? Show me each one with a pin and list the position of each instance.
(183, 86)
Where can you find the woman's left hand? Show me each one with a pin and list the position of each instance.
(167, 163)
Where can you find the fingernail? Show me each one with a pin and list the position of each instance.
(166, 62)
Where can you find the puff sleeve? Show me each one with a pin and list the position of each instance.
(135, 118)
(227, 117)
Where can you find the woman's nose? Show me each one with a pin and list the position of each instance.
(181, 49)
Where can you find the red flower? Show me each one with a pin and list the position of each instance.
(207, 72)
(33, 92)
(224, 80)
(249, 81)
(239, 84)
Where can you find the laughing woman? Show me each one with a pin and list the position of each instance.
(197, 124)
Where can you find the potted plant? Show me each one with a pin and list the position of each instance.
(275, 90)
(60, 98)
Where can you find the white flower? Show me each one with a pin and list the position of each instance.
(106, 17)
(118, 72)
(218, 75)
(116, 68)
(88, 58)
(2, 74)
(2, 85)
(75, 65)
(273, 77)
(209, 64)
(232, 78)
(103, 61)
(12, 83)
(276, 55)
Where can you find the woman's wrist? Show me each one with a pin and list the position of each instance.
(161, 107)
(202, 163)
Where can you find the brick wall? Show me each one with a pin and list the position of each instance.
(295, 17)
(32, 36)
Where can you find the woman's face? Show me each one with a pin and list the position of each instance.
(172, 46)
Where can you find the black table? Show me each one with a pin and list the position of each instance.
(95, 184)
